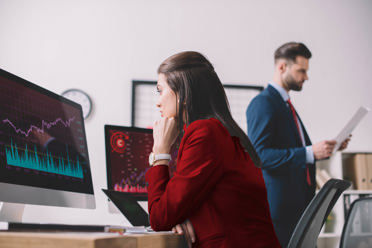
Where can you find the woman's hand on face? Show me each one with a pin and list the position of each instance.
(186, 229)
(165, 133)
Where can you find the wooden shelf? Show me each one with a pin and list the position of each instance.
(334, 167)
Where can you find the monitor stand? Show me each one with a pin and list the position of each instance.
(11, 212)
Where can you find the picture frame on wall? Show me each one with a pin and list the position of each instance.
(144, 96)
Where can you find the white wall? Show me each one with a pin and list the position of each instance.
(99, 46)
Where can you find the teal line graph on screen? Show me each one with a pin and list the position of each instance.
(31, 160)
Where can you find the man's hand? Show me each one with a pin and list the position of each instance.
(344, 144)
(187, 229)
(323, 149)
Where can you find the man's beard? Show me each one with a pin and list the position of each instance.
(292, 84)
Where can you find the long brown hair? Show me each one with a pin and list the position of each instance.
(201, 94)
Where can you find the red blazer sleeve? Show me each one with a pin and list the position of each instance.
(199, 168)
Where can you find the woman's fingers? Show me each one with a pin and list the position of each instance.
(186, 229)
(165, 134)
(190, 230)
(179, 229)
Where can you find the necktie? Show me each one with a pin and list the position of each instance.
(299, 133)
(294, 117)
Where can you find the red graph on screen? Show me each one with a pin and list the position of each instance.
(44, 125)
(133, 183)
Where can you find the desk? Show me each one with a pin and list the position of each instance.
(88, 240)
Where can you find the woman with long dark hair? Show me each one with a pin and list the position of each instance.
(217, 188)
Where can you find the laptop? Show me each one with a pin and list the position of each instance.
(129, 207)
(127, 151)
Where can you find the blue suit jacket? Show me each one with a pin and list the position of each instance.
(274, 135)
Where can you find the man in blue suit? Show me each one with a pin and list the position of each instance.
(280, 138)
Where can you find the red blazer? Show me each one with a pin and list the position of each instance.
(217, 187)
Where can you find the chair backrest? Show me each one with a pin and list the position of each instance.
(357, 230)
(308, 227)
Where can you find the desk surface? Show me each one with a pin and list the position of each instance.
(88, 240)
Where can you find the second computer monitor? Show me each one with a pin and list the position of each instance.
(127, 152)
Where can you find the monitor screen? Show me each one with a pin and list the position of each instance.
(127, 152)
(43, 149)
(127, 159)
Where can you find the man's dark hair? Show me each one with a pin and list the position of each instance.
(289, 51)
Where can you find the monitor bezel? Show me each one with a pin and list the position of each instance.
(39, 88)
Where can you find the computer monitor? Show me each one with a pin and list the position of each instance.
(43, 149)
(127, 158)
(127, 152)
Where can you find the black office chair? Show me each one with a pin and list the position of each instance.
(357, 230)
(308, 227)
